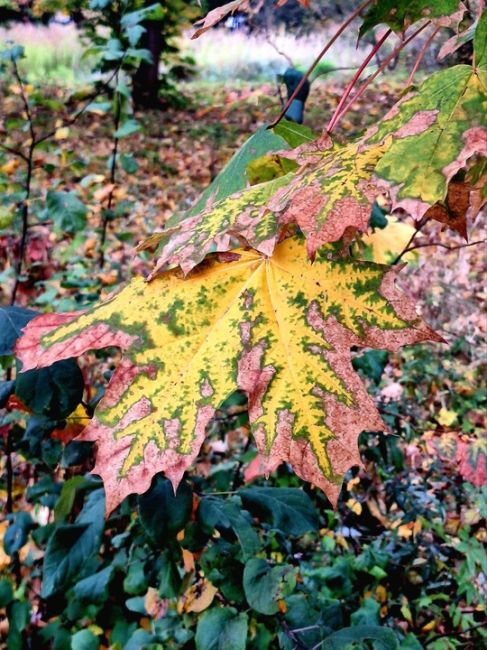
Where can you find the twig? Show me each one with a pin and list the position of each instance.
(14, 152)
(338, 33)
(355, 78)
(383, 65)
(24, 100)
(453, 634)
(420, 56)
(27, 186)
(113, 172)
(274, 46)
(419, 225)
(449, 248)
(97, 93)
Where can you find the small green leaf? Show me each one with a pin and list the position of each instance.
(265, 585)
(72, 545)
(6, 592)
(128, 128)
(84, 640)
(67, 211)
(93, 589)
(222, 629)
(17, 532)
(383, 638)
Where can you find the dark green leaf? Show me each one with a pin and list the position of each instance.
(162, 513)
(6, 389)
(265, 585)
(67, 211)
(12, 320)
(290, 509)
(94, 588)
(6, 592)
(53, 392)
(72, 545)
(383, 638)
(225, 516)
(222, 629)
(399, 14)
(84, 640)
(17, 532)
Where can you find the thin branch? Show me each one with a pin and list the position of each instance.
(338, 33)
(14, 152)
(418, 228)
(29, 160)
(453, 634)
(113, 171)
(70, 121)
(420, 56)
(276, 48)
(383, 65)
(445, 246)
(355, 78)
(24, 100)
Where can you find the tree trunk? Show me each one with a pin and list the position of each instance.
(146, 79)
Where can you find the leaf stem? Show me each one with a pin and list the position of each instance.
(113, 172)
(355, 78)
(29, 161)
(420, 56)
(445, 246)
(383, 65)
(419, 226)
(338, 33)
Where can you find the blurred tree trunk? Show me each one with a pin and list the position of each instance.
(146, 79)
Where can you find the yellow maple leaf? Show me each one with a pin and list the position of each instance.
(446, 418)
(278, 328)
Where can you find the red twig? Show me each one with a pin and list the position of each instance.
(355, 78)
(383, 65)
(338, 33)
(420, 56)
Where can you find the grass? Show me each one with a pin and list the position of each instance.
(223, 55)
(53, 54)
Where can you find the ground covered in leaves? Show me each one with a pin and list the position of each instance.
(405, 547)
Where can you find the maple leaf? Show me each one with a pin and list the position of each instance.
(329, 195)
(412, 154)
(215, 15)
(400, 14)
(436, 131)
(280, 329)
